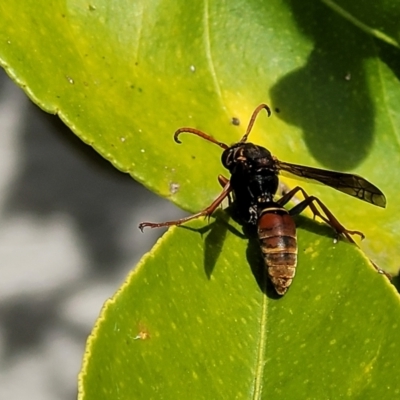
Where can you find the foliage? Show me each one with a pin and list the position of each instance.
(192, 319)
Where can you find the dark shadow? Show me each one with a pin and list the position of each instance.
(396, 282)
(253, 254)
(328, 98)
(27, 319)
(257, 265)
(255, 258)
(214, 241)
(215, 234)
(316, 227)
(390, 56)
(59, 174)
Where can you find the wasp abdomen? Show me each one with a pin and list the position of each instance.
(277, 235)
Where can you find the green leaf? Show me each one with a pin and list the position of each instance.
(125, 75)
(379, 19)
(192, 321)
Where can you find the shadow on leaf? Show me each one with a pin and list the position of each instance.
(337, 121)
(215, 232)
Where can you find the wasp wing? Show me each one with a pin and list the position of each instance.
(350, 184)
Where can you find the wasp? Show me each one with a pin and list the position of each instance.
(253, 184)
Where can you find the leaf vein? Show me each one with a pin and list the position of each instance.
(260, 362)
(207, 46)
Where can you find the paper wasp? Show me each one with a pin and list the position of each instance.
(253, 184)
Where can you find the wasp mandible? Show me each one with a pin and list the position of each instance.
(254, 182)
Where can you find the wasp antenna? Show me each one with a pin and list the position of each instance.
(176, 134)
(201, 134)
(252, 120)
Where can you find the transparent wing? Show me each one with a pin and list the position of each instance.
(350, 184)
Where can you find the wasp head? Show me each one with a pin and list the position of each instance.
(247, 158)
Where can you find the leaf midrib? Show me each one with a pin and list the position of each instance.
(260, 360)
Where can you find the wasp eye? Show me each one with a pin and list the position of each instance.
(226, 158)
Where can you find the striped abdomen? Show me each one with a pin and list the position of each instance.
(277, 234)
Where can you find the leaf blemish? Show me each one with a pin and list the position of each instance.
(174, 187)
(308, 250)
(143, 333)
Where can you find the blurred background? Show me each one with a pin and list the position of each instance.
(68, 238)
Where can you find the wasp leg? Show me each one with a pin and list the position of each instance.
(206, 212)
(284, 189)
(330, 220)
(327, 216)
(381, 271)
(223, 181)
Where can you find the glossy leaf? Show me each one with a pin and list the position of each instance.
(193, 320)
(196, 319)
(125, 75)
